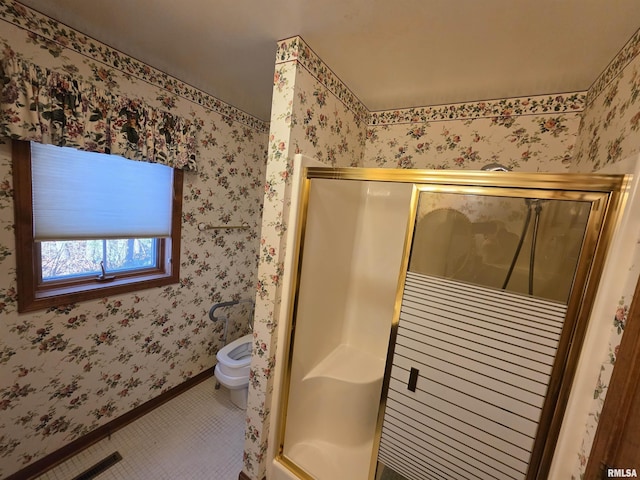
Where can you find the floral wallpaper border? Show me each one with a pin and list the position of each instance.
(560, 103)
(296, 49)
(60, 37)
(626, 55)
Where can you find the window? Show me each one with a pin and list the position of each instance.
(90, 225)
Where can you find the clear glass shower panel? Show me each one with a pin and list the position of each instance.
(483, 311)
(524, 245)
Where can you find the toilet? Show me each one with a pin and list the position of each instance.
(232, 369)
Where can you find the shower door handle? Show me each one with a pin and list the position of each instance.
(413, 379)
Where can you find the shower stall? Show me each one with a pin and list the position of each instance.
(435, 320)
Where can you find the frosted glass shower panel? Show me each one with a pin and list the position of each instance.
(524, 245)
(483, 360)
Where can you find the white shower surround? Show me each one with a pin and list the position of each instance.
(344, 313)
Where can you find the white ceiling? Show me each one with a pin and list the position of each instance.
(391, 53)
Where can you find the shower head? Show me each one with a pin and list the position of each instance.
(495, 167)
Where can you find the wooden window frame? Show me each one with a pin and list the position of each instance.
(34, 295)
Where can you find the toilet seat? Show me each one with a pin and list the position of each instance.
(234, 359)
(232, 369)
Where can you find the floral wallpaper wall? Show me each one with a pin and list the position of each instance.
(315, 114)
(69, 370)
(535, 134)
(609, 134)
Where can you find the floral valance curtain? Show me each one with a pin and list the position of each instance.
(50, 107)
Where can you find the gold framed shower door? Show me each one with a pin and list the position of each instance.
(605, 196)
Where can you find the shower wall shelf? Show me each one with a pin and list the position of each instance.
(348, 364)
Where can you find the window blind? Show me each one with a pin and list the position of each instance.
(81, 195)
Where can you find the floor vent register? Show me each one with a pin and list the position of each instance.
(100, 467)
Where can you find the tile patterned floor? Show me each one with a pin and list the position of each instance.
(198, 435)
